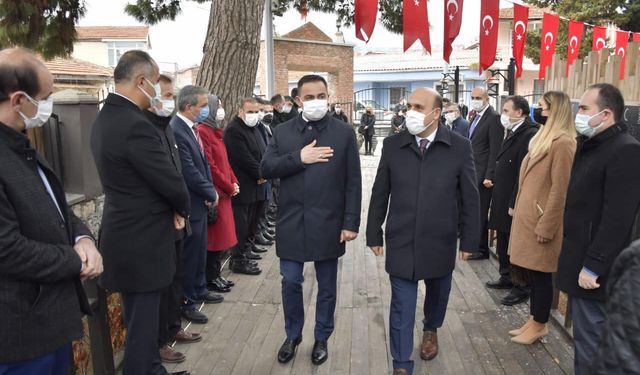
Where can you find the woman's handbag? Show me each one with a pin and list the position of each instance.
(212, 215)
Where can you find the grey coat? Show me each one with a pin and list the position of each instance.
(41, 297)
(317, 201)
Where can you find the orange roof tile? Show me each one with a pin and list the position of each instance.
(77, 68)
(112, 32)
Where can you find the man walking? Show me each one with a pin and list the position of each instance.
(145, 201)
(317, 214)
(420, 174)
(600, 211)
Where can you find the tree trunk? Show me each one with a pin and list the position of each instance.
(231, 51)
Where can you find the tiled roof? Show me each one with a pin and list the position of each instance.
(535, 13)
(112, 32)
(77, 68)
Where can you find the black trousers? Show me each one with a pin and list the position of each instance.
(214, 263)
(246, 219)
(368, 139)
(541, 296)
(141, 317)
(485, 203)
(502, 248)
(170, 302)
(257, 213)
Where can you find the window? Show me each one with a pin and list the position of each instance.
(117, 49)
(395, 93)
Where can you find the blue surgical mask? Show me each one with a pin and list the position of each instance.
(582, 124)
(204, 113)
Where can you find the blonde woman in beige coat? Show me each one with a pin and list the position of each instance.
(536, 232)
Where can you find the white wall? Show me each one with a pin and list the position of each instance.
(95, 52)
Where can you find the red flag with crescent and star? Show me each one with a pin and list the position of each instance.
(599, 38)
(636, 38)
(575, 39)
(365, 18)
(452, 23)
(622, 38)
(548, 38)
(415, 23)
(520, 22)
(489, 20)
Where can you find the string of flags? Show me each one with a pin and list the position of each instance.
(415, 22)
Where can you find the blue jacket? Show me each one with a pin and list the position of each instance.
(461, 126)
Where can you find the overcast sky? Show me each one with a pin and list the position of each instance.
(180, 41)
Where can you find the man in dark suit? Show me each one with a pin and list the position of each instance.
(434, 164)
(454, 121)
(245, 148)
(519, 129)
(45, 250)
(317, 214)
(464, 110)
(145, 201)
(193, 108)
(600, 212)
(486, 134)
(170, 328)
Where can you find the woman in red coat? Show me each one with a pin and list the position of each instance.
(221, 235)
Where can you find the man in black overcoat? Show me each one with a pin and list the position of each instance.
(316, 158)
(421, 174)
(600, 211)
(45, 250)
(145, 201)
(519, 129)
(486, 134)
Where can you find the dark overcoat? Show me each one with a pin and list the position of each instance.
(41, 297)
(461, 126)
(245, 153)
(602, 201)
(486, 141)
(317, 201)
(424, 214)
(505, 183)
(143, 189)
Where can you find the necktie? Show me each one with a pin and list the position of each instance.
(195, 130)
(476, 119)
(509, 133)
(423, 145)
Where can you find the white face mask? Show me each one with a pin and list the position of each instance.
(315, 110)
(168, 105)
(220, 113)
(153, 100)
(583, 127)
(45, 108)
(477, 105)
(506, 121)
(260, 115)
(286, 109)
(338, 110)
(450, 117)
(415, 122)
(251, 119)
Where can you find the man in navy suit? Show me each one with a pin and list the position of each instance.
(420, 175)
(454, 121)
(193, 108)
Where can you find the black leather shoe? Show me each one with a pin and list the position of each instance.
(180, 373)
(478, 256)
(195, 316)
(218, 286)
(267, 236)
(252, 255)
(211, 298)
(257, 249)
(501, 283)
(244, 268)
(288, 350)
(229, 283)
(514, 299)
(320, 353)
(260, 240)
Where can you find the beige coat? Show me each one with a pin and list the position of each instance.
(539, 208)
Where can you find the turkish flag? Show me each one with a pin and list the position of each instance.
(599, 38)
(489, 21)
(365, 18)
(452, 22)
(622, 38)
(415, 23)
(548, 38)
(575, 39)
(636, 38)
(520, 22)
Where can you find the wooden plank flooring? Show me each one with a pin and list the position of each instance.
(245, 331)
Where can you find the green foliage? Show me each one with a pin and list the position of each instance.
(154, 11)
(595, 12)
(46, 26)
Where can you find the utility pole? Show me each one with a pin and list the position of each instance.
(269, 76)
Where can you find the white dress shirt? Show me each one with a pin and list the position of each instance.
(430, 138)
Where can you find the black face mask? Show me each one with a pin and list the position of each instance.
(267, 119)
(538, 117)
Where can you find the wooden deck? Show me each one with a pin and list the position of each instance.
(245, 331)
